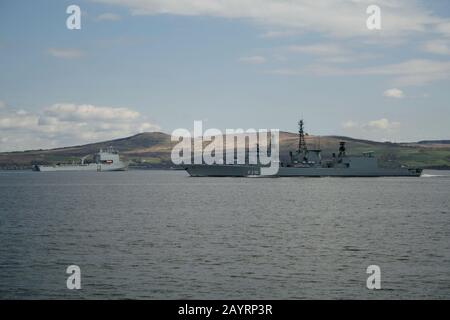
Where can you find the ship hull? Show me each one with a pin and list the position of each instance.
(87, 167)
(222, 170)
(254, 171)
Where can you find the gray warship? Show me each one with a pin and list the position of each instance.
(306, 162)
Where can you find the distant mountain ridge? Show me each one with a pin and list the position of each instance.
(153, 149)
(434, 142)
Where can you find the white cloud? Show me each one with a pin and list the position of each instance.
(350, 124)
(107, 16)
(65, 53)
(377, 130)
(394, 93)
(444, 28)
(327, 19)
(321, 49)
(68, 124)
(382, 124)
(73, 112)
(16, 120)
(331, 52)
(332, 17)
(412, 72)
(279, 34)
(2, 104)
(408, 73)
(441, 47)
(253, 60)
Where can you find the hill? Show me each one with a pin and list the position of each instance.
(152, 149)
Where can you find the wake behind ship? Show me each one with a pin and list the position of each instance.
(308, 163)
(104, 160)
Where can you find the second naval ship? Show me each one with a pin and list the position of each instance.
(308, 163)
(105, 160)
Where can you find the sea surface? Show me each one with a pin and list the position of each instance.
(165, 235)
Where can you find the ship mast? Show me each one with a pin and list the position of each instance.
(301, 138)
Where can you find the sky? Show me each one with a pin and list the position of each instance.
(158, 65)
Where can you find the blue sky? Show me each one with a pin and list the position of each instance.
(159, 65)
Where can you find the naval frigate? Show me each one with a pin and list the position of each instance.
(306, 162)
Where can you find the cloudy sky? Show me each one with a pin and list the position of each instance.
(147, 65)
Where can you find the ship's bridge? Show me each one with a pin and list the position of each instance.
(108, 155)
(314, 156)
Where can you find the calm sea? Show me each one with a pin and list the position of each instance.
(164, 235)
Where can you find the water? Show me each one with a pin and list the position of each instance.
(164, 235)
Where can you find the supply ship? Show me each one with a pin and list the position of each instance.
(105, 160)
(306, 162)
